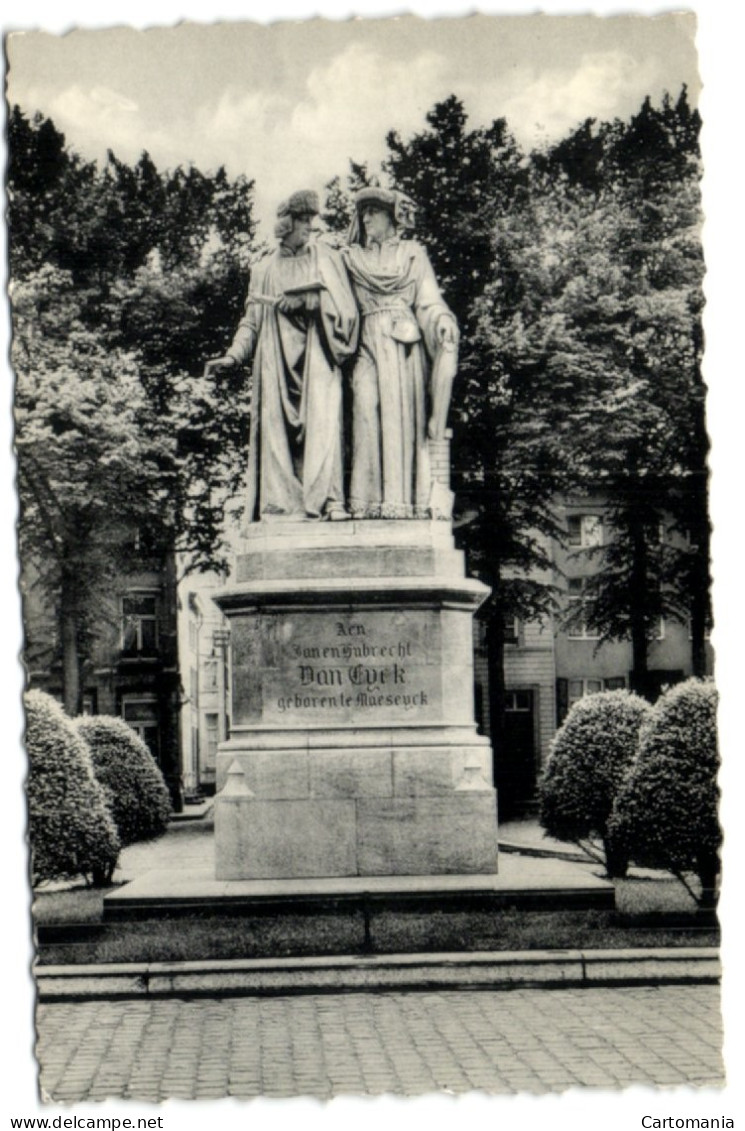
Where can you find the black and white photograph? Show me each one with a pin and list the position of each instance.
(371, 489)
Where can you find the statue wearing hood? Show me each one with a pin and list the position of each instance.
(405, 363)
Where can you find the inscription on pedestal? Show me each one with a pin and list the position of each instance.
(336, 667)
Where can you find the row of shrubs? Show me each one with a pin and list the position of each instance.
(641, 780)
(93, 787)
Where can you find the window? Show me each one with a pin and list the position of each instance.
(211, 735)
(577, 628)
(518, 702)
(569, 691)
(142, 715)
(707, 630)
(578, 688)
(511, 630)
(140, 624)
(209, 675)
(585, 530)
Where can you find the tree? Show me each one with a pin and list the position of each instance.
(519, 415)
(71, 832)
(92, 463)
(43, 176)
(622, 430)
(665, 815)
(643, 438)
(136, 792)
(598, 289)
(588, 762)
(339, 204)
(124, 280)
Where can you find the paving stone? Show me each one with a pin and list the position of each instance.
(535, 1041)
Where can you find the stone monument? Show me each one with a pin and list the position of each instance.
(353, 749)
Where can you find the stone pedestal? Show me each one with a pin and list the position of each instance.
(353, 747)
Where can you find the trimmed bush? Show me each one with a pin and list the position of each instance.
(138, 796)
(665, 815)
(71, 831)
(589, 758)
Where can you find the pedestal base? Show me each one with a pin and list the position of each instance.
(376, 836)
(353, 748)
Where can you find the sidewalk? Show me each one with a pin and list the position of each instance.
(527, 837)
(185, 846)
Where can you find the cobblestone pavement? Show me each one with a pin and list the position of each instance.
(397, 1043)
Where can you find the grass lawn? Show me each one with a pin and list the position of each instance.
(650, 912)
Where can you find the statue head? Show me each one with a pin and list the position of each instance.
(379, 213)
(295, 217)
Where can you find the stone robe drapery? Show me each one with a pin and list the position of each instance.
(400, 305)
(295, 455)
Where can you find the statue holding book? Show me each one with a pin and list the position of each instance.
(299, 325)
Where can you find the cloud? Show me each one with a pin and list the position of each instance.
(546, 104)
(112, 101)
(90, 113)
(287, 135)
(98, 118)
(362, 93)
(345, 111)
(240, 122)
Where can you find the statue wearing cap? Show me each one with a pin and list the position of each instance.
(406, 362)
(299, 325)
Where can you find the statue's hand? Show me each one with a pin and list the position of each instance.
(290, 304)
(312, 301)
(447, 331)
(215, 364)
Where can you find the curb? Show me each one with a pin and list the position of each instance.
(191, 813)
(479, 970)
(517, 849)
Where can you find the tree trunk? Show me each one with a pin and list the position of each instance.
(616, 860)
(72, 692)
(495, 661)
(699, 577)
(167, 690)
(696, 518)
(708, 872)
(698, 612)
(638, 606)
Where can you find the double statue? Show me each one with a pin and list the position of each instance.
(309, 309)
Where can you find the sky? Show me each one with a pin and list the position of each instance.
(289, 104)
(289, 109)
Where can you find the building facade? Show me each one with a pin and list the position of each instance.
(130, 656)
(552, 662)
(204, 661)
